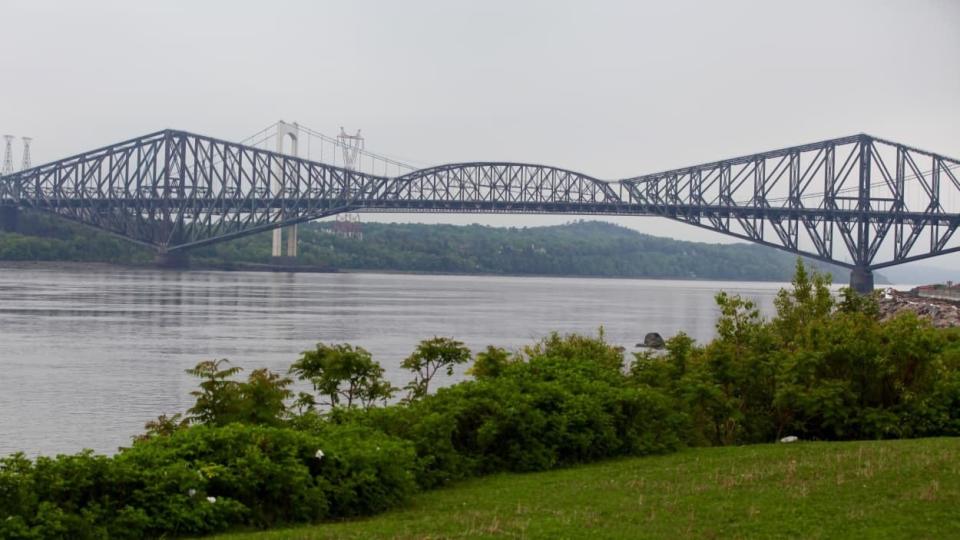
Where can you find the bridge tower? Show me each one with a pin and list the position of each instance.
(285, 131)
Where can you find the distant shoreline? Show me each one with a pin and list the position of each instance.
(263, 267)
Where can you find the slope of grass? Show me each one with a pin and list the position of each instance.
(877, 489)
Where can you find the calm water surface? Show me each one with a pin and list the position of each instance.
(87, 355)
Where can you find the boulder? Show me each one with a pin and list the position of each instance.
(653, 340)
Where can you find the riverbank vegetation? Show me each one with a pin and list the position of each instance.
(250, 454)
(588, 248)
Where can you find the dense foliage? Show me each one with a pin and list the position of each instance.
(584, 248)
(576, 249)
(248, 454)
(45, 238)
(204, 479)
(823, 368)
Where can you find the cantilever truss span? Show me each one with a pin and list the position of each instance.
(858, 201)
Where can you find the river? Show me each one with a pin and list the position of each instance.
(88, 354)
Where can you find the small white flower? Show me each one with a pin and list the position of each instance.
(319, 454)
(191, 492)
(211, 500)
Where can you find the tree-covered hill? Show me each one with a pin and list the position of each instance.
(42, 237)
(581, 248)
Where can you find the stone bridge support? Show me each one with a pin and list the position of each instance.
(861, 280)
(172, 260)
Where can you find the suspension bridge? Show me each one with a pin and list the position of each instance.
(860, 202)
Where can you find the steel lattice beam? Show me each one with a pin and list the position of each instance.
(836, 200)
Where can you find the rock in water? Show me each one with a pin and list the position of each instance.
(653, 340)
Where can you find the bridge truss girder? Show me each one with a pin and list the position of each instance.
(836, 200)
(859, 201)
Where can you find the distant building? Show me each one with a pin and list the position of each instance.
(348, 226)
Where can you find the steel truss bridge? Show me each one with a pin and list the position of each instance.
(859, 202)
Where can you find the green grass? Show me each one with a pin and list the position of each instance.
(878, 489)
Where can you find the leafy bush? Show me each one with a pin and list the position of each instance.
(88, 496)
(563, 401)
(342, 374)
(430, 357)
(221, 400)
(205, 479)
(278, 474)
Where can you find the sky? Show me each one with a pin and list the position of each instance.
(611, 89)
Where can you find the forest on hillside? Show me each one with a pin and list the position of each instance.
(579, 248)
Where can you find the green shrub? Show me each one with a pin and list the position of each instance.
(432, 356)
(342, 374)
(205, 479)
(222, 400)
(276, 473)
(561, 402)
(89, 496)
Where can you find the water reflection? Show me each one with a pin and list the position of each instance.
(88, 355)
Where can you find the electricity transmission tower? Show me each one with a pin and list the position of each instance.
(8, 156)
(26, 153)
(351, 145)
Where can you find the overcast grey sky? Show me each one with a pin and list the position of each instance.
(611, 89)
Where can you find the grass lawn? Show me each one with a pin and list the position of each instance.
(877, 489)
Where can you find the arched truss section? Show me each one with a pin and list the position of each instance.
(497, 187)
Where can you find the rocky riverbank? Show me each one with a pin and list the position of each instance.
(943, 313)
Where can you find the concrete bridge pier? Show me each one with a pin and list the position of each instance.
(172, 260)
(9, 218)
(861, 280)
(290, 232)
(292, 132)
